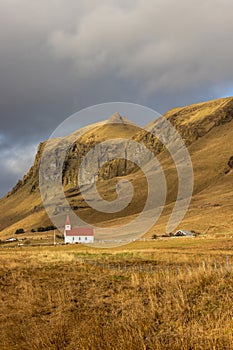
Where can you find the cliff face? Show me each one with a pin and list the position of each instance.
(32, 177)
(192, 123)
(196, 124)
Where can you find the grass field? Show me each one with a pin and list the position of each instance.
(148, 295)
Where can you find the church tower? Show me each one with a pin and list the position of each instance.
(67, 225)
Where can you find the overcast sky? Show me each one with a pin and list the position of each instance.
(59, 56)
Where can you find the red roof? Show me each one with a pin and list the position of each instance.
(67, 220)
(81, 231)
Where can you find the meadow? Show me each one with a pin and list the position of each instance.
(166, 294)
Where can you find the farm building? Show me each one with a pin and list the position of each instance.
(11, 239)
(184, 233)
(77, 235)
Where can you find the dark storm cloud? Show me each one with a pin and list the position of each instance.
(59, 57)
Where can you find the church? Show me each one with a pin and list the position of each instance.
(77, 235)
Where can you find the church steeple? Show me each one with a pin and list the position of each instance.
(67, 225)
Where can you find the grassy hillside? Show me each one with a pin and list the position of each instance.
(207, 129)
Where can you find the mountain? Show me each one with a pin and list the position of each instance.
(207, 130)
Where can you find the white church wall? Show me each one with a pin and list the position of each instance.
(79, 239)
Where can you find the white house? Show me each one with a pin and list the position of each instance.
(78, 235)
(184, 233)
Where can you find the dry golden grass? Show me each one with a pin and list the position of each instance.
(199, 111)
(51, 299)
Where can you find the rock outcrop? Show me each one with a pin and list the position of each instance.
(191, 122)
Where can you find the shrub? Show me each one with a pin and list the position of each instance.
(40, 229)
(46, 228)
(50, 228)
(60, 236)
(19, 230)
